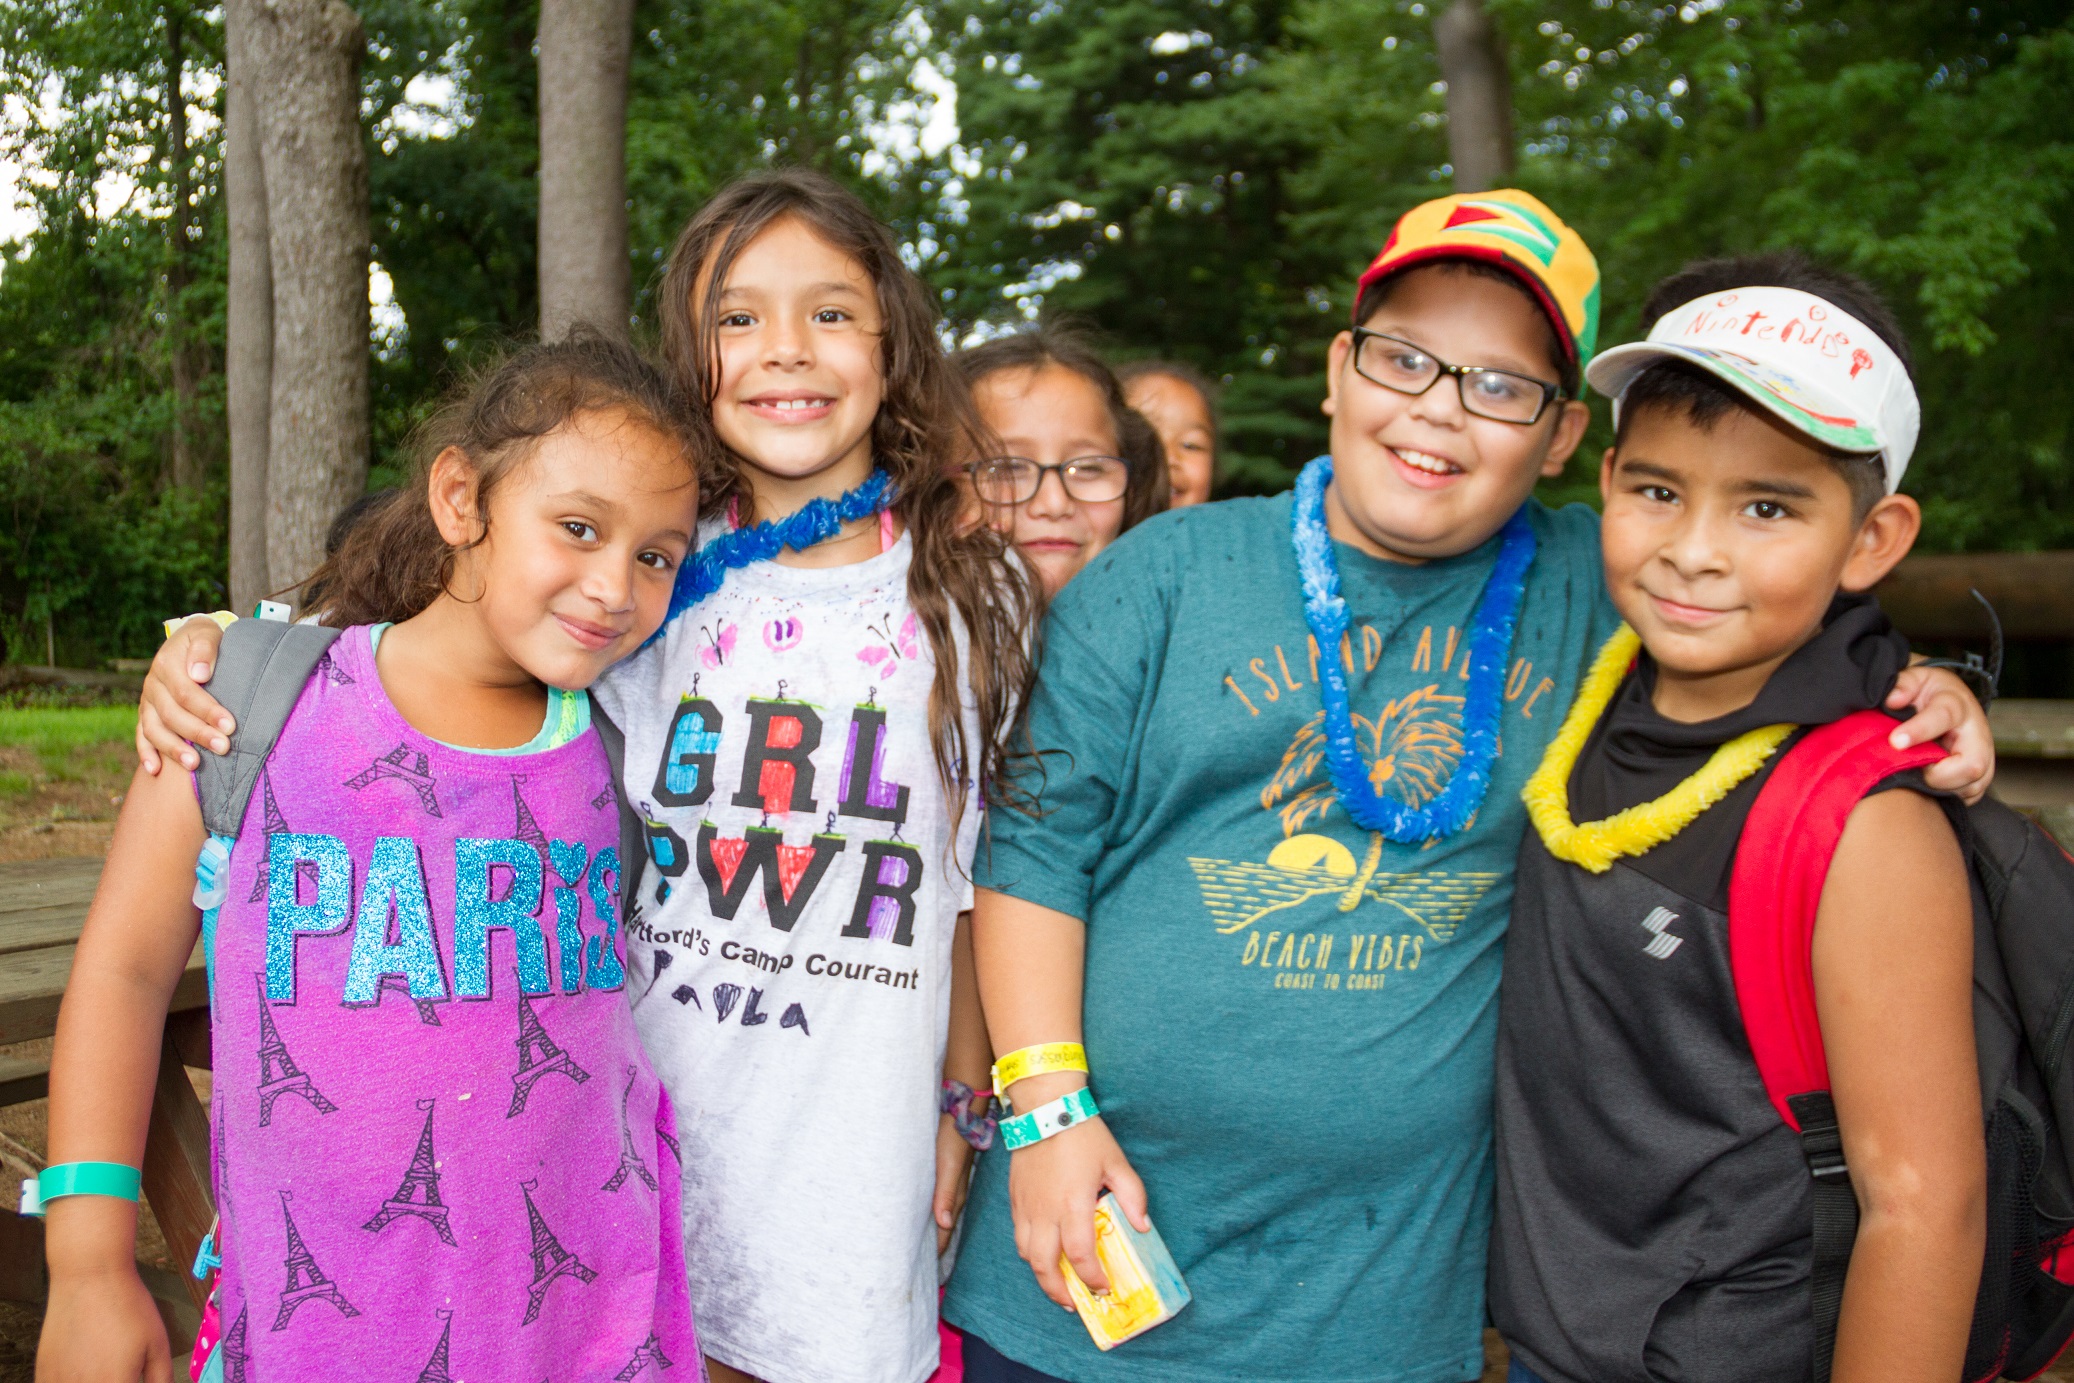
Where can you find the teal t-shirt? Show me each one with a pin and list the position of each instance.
(1290, 1021)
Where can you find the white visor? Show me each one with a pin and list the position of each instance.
(1806, 361)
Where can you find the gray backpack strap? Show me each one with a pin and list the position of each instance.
(261, 670)
(633, 834)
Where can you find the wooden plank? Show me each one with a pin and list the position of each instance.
(44, 902)
(23, 1081)
(1928, 597)
(2033, 729)
(176, 1165)
(34, 883)
(32, 928)
(32, 983)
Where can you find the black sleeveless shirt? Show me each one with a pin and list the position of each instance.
(1653, 1219)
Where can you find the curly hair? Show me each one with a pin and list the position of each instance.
(388, 561)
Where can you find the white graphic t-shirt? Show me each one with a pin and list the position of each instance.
(789, 958)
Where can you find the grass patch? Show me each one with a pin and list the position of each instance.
(67, 741)
(56, 732)
(16, 784)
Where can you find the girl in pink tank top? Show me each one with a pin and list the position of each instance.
(439, 1151)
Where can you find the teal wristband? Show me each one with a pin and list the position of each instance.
(1046, 1120)
(80, 1179)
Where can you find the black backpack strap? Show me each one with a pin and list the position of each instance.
(261, 670)
(1836, 1218)
(633, 835)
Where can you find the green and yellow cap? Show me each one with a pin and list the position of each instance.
(1515, 232)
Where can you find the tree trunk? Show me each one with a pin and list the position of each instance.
(248, 363)
(1479, 96)
(186, 454)
(586, 47)
(317, 231)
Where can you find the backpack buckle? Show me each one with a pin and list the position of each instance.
(1821, 1141)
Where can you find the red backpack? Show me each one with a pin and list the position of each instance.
(2023, 1018)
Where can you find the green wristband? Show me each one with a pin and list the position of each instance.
(1041, 1123)
(81, 1179)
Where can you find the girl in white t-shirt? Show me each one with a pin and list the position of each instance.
(805, 737)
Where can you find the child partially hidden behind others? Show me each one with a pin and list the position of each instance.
(1653, 1208)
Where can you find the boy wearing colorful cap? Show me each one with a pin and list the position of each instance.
(1260, 861)
(1654, 1212)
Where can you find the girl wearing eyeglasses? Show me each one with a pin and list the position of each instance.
(1070, 466)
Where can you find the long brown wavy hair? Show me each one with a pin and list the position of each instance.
(961, 575)
(391, 562)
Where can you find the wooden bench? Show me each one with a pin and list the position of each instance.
(43, 905)
(2034, 749)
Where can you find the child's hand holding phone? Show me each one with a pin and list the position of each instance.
(1053, 1187)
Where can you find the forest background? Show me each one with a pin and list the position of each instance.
(1197, 179)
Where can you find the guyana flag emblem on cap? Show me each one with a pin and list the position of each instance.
(1513, 231)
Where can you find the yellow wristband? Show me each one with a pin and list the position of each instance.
(224, 619)
(1040, 1060)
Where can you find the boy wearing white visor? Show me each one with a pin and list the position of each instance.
(1655, 1209)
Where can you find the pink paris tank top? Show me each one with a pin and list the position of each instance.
(440, 1152)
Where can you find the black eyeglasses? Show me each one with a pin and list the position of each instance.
(1499, 395)
(1016, 479)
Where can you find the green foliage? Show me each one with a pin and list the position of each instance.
(1201, 179)
(94, 545)
(715, 89)
(1145, 185)
(1212, 195)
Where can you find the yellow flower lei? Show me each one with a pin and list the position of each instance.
(1597, 844)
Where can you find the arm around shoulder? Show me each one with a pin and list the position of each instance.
(1893, 967)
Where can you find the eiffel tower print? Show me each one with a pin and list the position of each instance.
(650, 1352)
(278, 1073)
(276, 824)
(527, 829)
(435, 1370)
(427, 1014)
(409, 766)
(538, 1055)
(550, 1259)
(237, 1360)
(630, 1163)
(306, 1281)
(418, 1194)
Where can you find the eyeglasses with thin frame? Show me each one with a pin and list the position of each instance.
(1500, 395)
(1016, 479)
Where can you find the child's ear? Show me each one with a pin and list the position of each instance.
(1884, 538)
(1335, 364)
(1575, 417)
(451, 490)
(1606, 476)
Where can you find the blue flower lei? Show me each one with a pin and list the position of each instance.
(1490, 639)
(816, 522)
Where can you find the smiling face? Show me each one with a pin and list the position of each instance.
(1416, 477)
(1186, 430)
(802, 369)
(585, 538)
(1724, 546)
(1051, 415)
